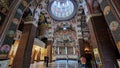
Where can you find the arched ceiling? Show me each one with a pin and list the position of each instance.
(60, 31)
(61, 20)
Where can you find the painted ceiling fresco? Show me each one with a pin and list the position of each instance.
(4, 8)
(65, 37)
(62, 9)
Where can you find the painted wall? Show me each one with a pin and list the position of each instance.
(111, 12)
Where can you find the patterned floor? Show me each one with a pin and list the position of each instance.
(57, 64)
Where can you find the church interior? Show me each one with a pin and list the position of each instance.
(61, 30)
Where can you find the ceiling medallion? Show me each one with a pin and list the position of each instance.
(62, 9)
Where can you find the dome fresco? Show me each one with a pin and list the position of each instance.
(62, 9)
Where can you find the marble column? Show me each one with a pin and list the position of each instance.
(24, 51)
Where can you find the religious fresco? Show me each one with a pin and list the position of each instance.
(10, 36)
(114, 25)
(15, 20)
(116, 6)
(95, 7)
(4, 49)
(107, 10)
(97, 56)
(67, 35)
(110, 11)
(44, 27)
(62, 11)
(65, 39)
(5, 6)
(42, 18)
(116, 34)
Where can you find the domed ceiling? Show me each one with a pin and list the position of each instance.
(62, 9)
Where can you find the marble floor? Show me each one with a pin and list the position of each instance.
(57, 64)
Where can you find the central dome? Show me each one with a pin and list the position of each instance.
(62, 9)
